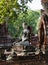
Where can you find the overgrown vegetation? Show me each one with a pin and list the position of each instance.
(14, 13)
(32, 19)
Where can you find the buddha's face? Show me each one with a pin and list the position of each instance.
(24, 26)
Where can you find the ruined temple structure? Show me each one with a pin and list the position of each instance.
(43, 27)
(5, 38)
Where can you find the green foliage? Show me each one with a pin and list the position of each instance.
(15, 26)
(6, 9)
(14, 13)
(10, 9)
